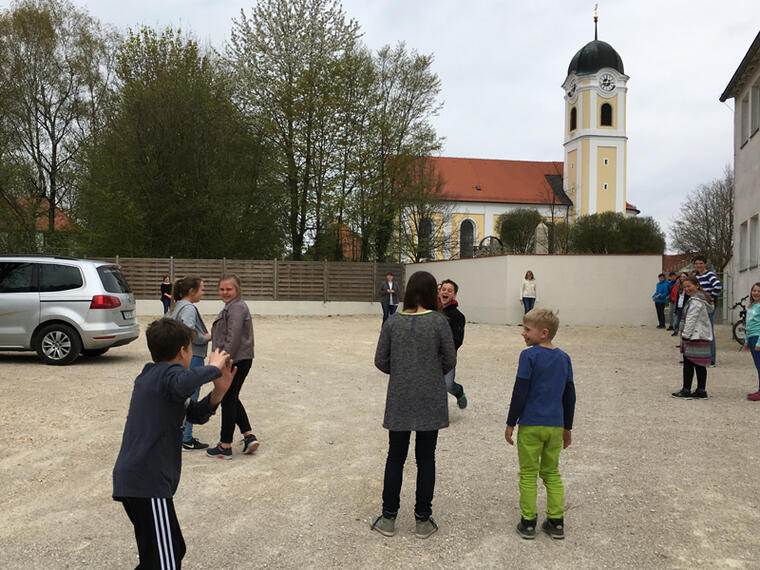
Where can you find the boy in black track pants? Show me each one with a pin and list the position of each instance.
(147, 469)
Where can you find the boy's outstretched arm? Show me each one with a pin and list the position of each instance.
(222, 384)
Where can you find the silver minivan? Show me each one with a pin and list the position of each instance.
(62, 307)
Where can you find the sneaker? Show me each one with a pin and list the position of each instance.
(220, 452)
(683, 393)
(527, 529)
(462, 401)
(699, 395)
(675, 333)
(660, 327)
(193, 444)
(424, 529)
(250, 444)
(755, 396)
(386, 527)
(554, 528)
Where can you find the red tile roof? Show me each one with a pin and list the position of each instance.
(500, 181)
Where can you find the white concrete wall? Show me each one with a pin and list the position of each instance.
(313, 308)
(587, 289)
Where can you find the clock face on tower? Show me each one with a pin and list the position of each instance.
(607, 82)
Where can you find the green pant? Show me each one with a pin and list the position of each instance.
(538, 449)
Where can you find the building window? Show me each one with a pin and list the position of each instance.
(606, 161)
(425, 239)
(604, 186)
(606, 115)
(573, 119)
(743, 246)
(745, 119)
(466, 239)
(755, 111)
(754, 235)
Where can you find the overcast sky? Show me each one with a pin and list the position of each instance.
(502, 64)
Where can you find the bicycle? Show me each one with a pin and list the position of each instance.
(738, 329)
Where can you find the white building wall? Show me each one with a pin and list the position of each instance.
(746, 263)
(587, 289)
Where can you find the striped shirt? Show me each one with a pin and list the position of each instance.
(709, 282)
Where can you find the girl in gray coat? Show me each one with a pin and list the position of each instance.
(696, 334)
(416, 348)
(186, 292)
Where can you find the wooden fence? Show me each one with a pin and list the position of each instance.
(265, 280)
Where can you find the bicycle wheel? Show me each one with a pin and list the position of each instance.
(739, 331)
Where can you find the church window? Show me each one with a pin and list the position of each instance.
(573, 119)
(606, 115)
(606, 161)
(605, 186)
(466, 239)
(425, 239)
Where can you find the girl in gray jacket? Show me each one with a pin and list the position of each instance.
(416, 348)
(696, 334)
(186, 292)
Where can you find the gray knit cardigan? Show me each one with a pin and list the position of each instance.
(416, 350)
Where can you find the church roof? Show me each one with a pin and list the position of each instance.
(500, 181)
(594, 56)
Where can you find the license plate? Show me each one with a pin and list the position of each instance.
(128, 314)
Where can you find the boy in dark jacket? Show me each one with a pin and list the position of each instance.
(147, 469)
(449, 307)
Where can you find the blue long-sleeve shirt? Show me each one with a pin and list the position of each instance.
(661, 293)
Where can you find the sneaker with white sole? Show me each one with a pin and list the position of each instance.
(527, 528)
(193, 444)
(554, 528)
(220, 452)
(250, 444)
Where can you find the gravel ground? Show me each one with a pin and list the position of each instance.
(650, 481)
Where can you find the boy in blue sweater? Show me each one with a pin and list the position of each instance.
(147, 469)
(543, 403)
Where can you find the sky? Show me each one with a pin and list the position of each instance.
(502, 64)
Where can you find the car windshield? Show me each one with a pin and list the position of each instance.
(113, 279)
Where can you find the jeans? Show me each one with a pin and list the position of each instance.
(388, 310)
(233, 411)
(195, 362)
(752, 342)
(538, 449)
(452, 387)
(660, 308)
(672, 306)
(424, 452)
(712, 342)
(677, 322)
(528, 303)
(166, 301)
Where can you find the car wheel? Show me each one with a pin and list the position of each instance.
(94, 351)
(58, 344)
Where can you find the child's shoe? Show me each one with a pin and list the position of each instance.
(386, 527)
(554, 528)
(220, 452)
(250, 444)
(193, 444)
(699, 395)
(462, 401)
(526, 528)
(755, 396)
(424, 529)
(683, 394)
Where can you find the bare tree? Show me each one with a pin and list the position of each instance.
(55, 78)
(706, 222)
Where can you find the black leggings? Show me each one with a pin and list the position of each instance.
(233, 412)
(688, 375)
(424, 451)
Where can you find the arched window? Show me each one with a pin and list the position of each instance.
(606, 115)
(425, 239)
(573, 119)
(466, 234)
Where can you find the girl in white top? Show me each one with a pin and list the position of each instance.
(528, 291)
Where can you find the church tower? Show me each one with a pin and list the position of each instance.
(595, 130)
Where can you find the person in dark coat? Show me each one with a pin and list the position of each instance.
(389, 296)
(447, 294)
